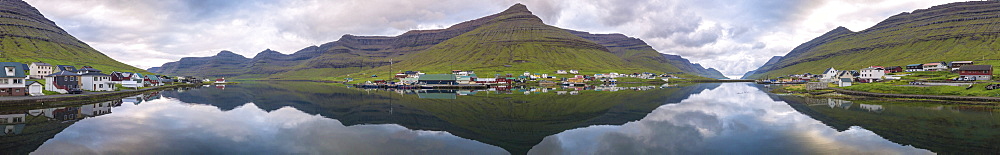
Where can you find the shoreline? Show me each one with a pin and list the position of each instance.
(915, 96)
(52, 101)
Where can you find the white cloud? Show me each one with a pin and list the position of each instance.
(716, 33)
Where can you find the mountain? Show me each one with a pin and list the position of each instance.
(27, 36)
(513, 40)
(770, 62)
(951, 32)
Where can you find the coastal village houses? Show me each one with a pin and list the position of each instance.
(12, 79)
(39, 70)
(871, 74)
(65, 79)
(955, 65)
(935, 66)
(34, 88)
(829, 75)
(976, 72)
(914, 67)
(93, 80)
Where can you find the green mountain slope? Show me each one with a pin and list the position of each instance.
(513, 37)
(519, 39)
(950, 32)
(26, 36)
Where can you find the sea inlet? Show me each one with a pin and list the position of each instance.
(320, 118)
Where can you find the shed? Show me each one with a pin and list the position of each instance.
(844, 82)
(35, 88)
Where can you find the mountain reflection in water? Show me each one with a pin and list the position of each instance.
(316, 118)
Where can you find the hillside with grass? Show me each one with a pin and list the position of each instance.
(512, 41)
(27, 36)
(964, 31)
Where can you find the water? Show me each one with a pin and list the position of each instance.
(315, 118)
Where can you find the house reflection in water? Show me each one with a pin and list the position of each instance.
(835, 103)
(872, 108)
(437, 94)
(12, 122)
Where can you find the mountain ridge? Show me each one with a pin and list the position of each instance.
(961, 31)
(355, 54)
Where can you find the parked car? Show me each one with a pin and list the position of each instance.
(75, 91)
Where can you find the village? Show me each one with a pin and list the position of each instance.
(469, 79)
(966, 71)
(38, 79)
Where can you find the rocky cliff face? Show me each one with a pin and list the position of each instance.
(469, 44)
(27, 36)
(951, 32)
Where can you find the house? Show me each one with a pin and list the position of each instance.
(464, 79)
(829, 75)
(34, 88)
(118, 77)
(93, 80)
(871, 74)
(847, 74)
(976, 72)
(220, 80)
(844, 82)
(935, 66)
(12, 79)
(39, 70)
(437, 79)
(914, 67)
(893, 69)
(560, 71)
(574, 71)
(62, 80)
(958, 64)
(152, 80)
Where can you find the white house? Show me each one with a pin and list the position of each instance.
(39, 70)
(574, 71)
(93, 80)
(561, 72)
(872, 74)
(935, 67)
(35, 88)
(828, 75)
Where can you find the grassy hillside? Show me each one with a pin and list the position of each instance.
(951, 32)
(26, 36)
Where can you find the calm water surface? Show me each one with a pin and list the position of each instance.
(313, 118)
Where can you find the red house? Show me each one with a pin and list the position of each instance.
(976, 72)
(893, 69)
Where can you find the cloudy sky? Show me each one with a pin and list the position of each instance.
(733, 36)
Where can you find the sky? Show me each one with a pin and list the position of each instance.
(733, 36)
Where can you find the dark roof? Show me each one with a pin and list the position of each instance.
(915, 65)
(437, 77)
(63, 73)
(66, 68)
(18, 70)
(845, 79)
(25, 66)
(976, 67)
(41, 64)
(30, 82)
(96, 74)
(88, 68)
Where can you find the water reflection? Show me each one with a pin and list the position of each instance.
(311, 118)
(719, 122)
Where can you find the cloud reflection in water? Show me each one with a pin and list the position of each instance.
(732, 119)
(168, 126)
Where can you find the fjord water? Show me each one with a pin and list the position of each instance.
(316, 118)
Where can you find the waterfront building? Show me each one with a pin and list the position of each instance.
(39, 70)
(12, 79)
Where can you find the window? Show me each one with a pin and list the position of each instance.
(4, 81)
(18, 81)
